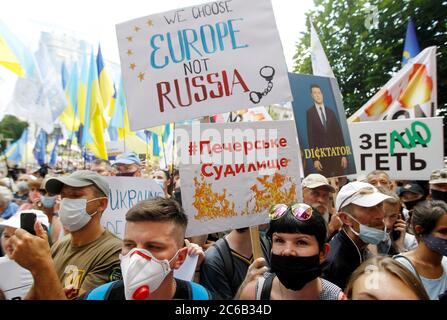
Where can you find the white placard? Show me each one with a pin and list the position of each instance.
(232, 173)
(125, 192)
(407, 149)
(201, 60)
(15, 281)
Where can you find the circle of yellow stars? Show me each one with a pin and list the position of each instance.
(133, 66)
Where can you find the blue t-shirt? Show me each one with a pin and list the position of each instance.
(434, 287)
(10, 210)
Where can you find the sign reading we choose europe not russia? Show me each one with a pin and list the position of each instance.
(201, 60)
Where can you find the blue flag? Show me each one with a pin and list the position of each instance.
(53, 157)
(39, 147)
(411, 46)
(155, 146)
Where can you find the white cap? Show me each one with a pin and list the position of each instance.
(315, 180)
(360, 193)
(14, 221)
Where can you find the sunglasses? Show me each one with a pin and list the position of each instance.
(300, 211)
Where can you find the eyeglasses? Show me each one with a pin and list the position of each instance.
(300, 211)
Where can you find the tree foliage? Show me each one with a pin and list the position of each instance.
(11, 128)
(364, 59)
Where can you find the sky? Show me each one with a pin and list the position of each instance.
(94, 20)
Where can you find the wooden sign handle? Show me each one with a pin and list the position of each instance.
(255, 242)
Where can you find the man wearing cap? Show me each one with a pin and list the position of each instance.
(438, 185)
(84, 259)
(128, 165)
(360, 208)
(18, 280)
(316, 193)
(410, 194)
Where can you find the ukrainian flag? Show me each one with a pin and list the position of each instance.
(105, 85)
(69, 117)
(93, 131)
(14, 55)
(411, 46)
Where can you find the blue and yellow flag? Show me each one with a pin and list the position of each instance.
(93, 132)
(14, 55)
(105, 85)
(411, 45)
(16, 151)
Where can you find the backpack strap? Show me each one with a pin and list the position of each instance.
(264, 286)
(398, 256)
(225, 253)
(101, 292)
(198, 292)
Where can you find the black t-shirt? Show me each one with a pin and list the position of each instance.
(214, 276)
(116, 292)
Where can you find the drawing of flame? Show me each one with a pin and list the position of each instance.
(209, 204)
(379, 105)
(272, 191)
(419, 88)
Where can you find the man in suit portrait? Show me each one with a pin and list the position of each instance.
(324, 131)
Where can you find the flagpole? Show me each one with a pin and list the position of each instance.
(164, 153)
(173, 151)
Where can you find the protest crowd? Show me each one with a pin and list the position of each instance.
(345, 209)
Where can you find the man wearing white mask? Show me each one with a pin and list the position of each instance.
(153, 247)
(360, 208)
(84, 259)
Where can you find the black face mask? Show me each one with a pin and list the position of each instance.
(295, 272)
(439, 195)
(125, 174)
(410, 204)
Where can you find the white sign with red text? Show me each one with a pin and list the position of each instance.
(232, 173)
(201, 60)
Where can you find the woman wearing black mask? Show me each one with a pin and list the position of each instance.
(299, 247)
(428, 261)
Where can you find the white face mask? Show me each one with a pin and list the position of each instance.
(143, 273)
(73, 213)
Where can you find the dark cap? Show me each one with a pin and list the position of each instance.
(412, 187)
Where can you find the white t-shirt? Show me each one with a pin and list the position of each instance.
(434, 287)
(15, 281)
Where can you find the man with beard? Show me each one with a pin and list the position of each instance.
(360, 207)
(316, 193)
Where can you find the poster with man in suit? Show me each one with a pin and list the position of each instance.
(321, 124)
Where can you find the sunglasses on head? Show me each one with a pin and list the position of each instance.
(300, 211)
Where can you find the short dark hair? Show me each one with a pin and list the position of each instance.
(315, 226)
(159, 209)
(427, 214)
(314, 85)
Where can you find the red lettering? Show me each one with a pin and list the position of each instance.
(162, 95)
(203, 88)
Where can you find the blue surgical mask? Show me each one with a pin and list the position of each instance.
(369, 234)
(161, 183)
(48, 202)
